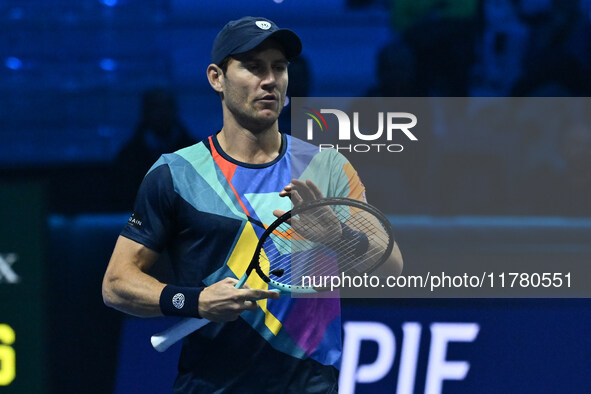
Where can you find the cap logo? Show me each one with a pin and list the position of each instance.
(263, 25)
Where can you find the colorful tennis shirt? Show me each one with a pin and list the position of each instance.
(207, 211)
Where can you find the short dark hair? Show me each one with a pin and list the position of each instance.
(224, 64)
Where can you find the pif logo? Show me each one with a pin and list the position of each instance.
(389, 124)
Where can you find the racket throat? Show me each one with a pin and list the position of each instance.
(277, 272)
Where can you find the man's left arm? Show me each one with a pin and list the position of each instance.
(300, 192)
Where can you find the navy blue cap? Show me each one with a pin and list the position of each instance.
(247, 33)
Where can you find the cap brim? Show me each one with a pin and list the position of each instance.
(288, 40)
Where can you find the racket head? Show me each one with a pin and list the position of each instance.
(320, 239)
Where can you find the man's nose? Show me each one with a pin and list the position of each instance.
(269, 78)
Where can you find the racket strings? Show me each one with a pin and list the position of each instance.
(335, 266)
(349, 262)
(318, 252)
(329, 268)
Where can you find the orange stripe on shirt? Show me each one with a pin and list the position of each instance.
(356, 188)
(228, 170)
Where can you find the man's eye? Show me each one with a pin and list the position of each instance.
(253, 67)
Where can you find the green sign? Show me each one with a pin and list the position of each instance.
(22, 319)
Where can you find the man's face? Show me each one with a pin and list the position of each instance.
(254, 86)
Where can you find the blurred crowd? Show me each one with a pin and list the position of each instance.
(506, 157)
(511, 157)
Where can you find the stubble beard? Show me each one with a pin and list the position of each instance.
(249, 120)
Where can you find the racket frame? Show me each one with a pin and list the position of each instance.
(328, 201)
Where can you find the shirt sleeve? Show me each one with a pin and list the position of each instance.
(344, 179)
(331, 172)
(152, 221)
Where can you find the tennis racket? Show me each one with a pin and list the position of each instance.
(304, 247)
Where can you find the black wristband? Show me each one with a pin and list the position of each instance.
(358, 241)
(180, 301)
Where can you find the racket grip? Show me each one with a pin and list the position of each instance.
(172, 335)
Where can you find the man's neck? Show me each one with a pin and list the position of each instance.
(250, 147)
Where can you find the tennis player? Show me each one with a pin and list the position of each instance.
(207, 204)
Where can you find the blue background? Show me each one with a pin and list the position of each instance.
(72, 76)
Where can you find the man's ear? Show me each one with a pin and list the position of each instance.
(215, 76)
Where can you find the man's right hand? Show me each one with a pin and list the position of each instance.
(222, 301)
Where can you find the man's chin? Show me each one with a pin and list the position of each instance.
(269, 116)
(262, 122)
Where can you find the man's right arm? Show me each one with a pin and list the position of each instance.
(126, 285)
(128, 288)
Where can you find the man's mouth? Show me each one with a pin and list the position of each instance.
(268, 98)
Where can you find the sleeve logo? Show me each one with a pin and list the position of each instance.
(135, 221)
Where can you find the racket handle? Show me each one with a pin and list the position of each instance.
(172, 335)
